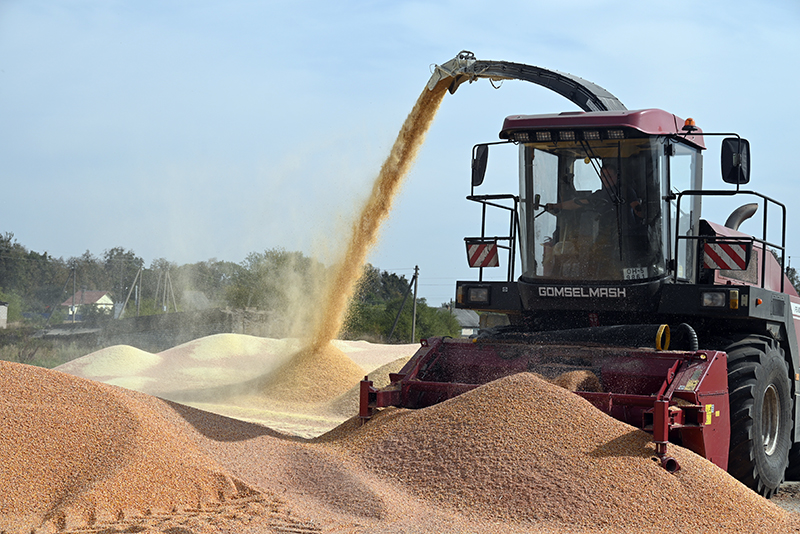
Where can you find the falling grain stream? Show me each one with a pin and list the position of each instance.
(319, 371)
(365, 229)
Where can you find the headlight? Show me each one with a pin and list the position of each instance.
(478, 295)
(713, 299)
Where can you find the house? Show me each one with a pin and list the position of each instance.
(467, 319)
(100, 300)
(471, 322)
(3, 314)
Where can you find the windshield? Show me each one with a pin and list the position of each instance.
(591, 210)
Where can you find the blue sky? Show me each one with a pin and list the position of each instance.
(194, 130)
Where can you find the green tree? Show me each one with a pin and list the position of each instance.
(14, 305)
(32, 276)
(89, 273)
(92, 313)
(212, 278)
(121, 267)
(791, 272)
(430, 322)
(365, 321)
(275, 280)
(378, 299)
(158, 287)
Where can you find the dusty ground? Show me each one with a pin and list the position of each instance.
(788, 497)
(517, 456)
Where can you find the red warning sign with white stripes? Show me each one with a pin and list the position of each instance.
(482, 254)
(721, 255)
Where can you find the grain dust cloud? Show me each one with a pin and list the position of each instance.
(302, 375)
(366, 227)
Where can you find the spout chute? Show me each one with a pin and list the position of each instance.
(465, 68)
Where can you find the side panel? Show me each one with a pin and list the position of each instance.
(768, 312)
(793, 355)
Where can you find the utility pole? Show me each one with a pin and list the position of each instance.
(414, 312)
(133, 285)
(73, 294)
(402, 305)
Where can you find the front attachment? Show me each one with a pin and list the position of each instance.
(678, 396)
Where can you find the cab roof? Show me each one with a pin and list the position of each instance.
(646, 121)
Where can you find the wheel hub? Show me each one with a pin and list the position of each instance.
(770, 419)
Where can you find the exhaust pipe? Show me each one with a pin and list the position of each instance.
(669, 463)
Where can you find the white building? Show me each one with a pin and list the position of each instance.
(83, 298)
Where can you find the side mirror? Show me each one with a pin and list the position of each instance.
(480, 155)
(735, 160)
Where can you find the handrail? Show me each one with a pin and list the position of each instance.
(763, 240)
(513, 231)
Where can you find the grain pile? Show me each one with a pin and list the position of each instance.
(518, 455)
(312, 376)
(524, 450)
(578, 381)
(346, 404)
(263, 380)
(211, 362)
(78, 453)
(121, 365)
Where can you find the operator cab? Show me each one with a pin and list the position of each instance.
(593, 188)
(608, 210)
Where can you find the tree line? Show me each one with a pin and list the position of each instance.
(36, 284)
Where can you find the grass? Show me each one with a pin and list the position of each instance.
(47, 354)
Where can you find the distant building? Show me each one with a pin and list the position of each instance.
(472, 322)
(84, 298)
(467, 319)
(3, 314)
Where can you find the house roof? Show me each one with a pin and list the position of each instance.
(85, 297)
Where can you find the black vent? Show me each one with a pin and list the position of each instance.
(778, 307)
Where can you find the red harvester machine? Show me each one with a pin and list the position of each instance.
(613, 252)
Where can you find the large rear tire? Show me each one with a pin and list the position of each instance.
(761, 413)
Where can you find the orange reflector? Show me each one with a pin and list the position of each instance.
(734, 299)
